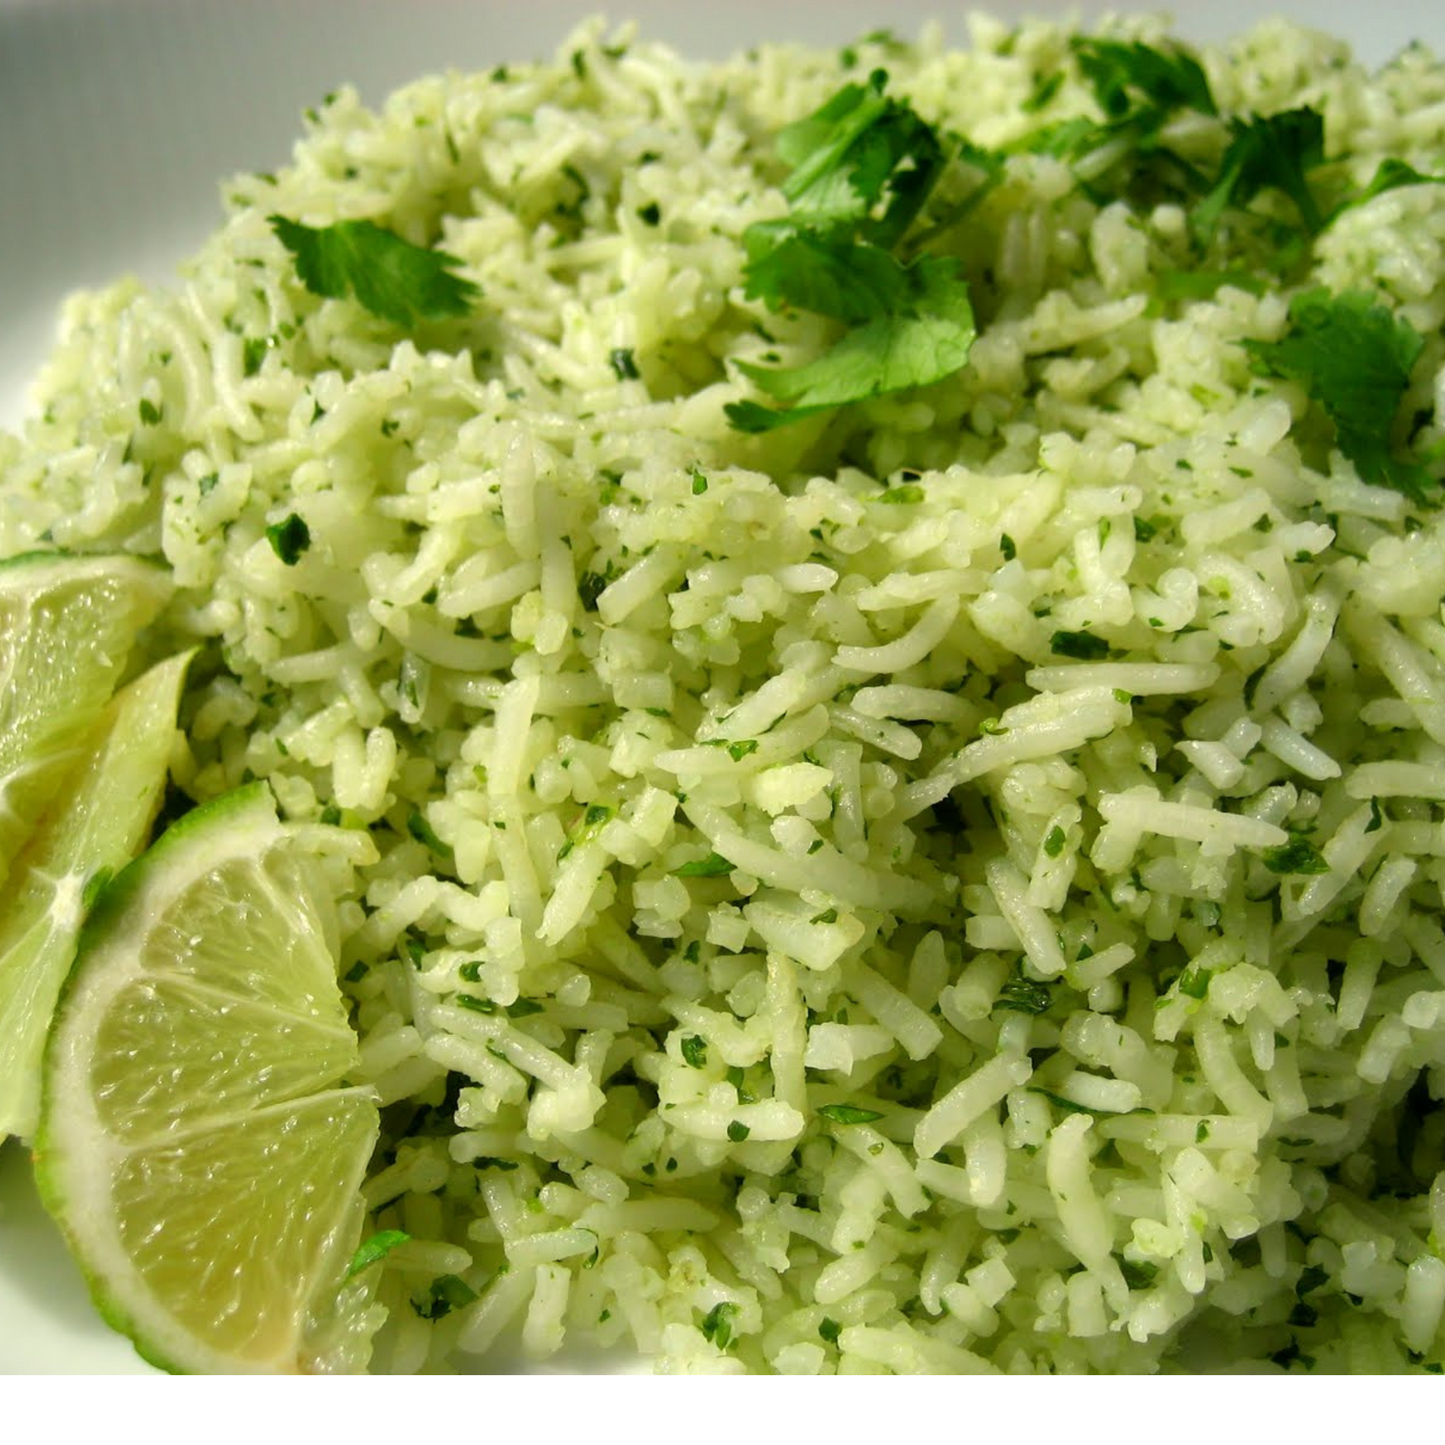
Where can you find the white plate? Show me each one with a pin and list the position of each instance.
(121, 118)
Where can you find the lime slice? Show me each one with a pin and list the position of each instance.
(97, 822)
(66, 628)
(198, 1144)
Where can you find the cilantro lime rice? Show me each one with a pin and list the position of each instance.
(870, 627)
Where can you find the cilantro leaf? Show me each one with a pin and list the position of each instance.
(863, 159)
(1390, 175)
(809, 270)
(1354, 357)
(1275, 151)
(1140, 89)
(863, 167)
(926, 339)
(1125, 72)
(391, 278)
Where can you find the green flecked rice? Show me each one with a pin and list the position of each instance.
(951, 884)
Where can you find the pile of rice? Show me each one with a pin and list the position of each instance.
(993, 1043)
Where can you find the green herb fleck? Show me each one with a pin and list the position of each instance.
(289, 539)
(1023, 995)
(717, 1326)
(1081, 645)
(447, 1293)
(848, 1114)
(1299, 855)
(713, 866)
(623, 363)
(377, 1247)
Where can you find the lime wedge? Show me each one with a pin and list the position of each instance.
(198, 1143)
(66, 628)
(97, 822)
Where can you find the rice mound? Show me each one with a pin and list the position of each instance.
(771, 953)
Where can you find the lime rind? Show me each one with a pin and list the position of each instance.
(217, 1236)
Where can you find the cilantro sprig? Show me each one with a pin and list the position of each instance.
(391, 278)
(863, 168)
(1354, 357)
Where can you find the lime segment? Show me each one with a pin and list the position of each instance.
(95, 824)
(67, 625)
(199, 1144)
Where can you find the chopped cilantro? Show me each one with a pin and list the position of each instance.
(699, 482)
(623, 364)
(713, 866)
(590, 586)
(848, 1114)
(377, 1247)
(1194, 982)
(523, 1008)
(391, 278)
(694, 1051)
(1023, 995)
(1082, 645)
(1069, 1106)
(289, 539)
(1054, 841)
(253, 353)
(908, 495)
(737, 751)
(150, 413)
(1138, 1273)
(448, 1292)
(717, 1326)
(737, 1132)
(1299, 855)
(829, 1330)
(475, 1004)
(425, 834)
